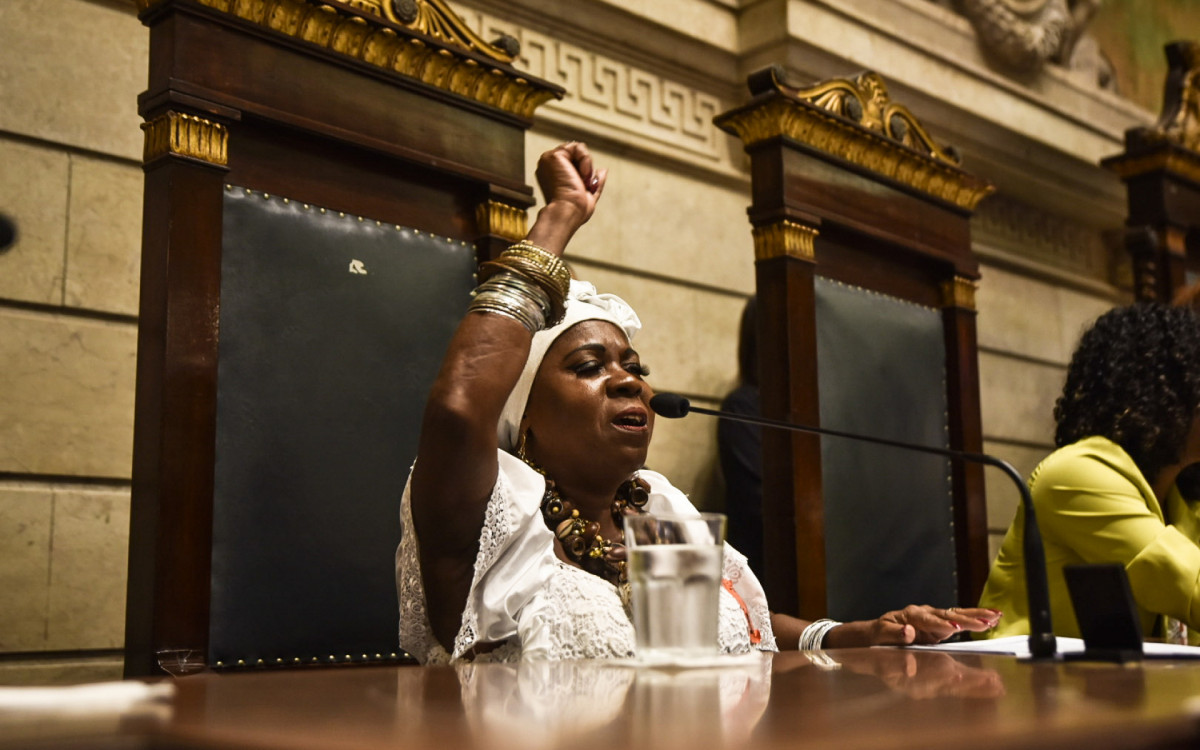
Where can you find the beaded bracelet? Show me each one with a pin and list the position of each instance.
(814, 635)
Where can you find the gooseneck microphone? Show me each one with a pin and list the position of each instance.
(1041, 635)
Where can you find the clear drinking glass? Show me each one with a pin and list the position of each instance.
(675, 575)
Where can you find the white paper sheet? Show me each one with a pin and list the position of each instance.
(1018, 645)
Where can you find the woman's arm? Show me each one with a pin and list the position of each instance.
(1091, 508)
(456, 467)
(913, 624)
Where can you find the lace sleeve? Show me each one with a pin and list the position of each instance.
(737, 571)
(513, 562)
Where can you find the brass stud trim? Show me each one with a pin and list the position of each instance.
(785, 238)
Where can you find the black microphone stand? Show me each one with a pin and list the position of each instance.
(1041, 635)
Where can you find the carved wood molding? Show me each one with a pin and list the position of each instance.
(436, 19)
(434, 47)
(617, 97)
(502, 220)
(785, 238)
(185, 135)
(865, 100)
(855, 120)
(1026, 231)
(1169, 159)
(959, 292)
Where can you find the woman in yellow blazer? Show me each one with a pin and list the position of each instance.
(1126, 425)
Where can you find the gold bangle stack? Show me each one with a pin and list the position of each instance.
(537, 266)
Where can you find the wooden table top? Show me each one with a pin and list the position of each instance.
(853, 698)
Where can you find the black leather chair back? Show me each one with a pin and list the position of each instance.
(889, 515)
(332, 328)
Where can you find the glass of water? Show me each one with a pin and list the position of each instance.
(675, 564)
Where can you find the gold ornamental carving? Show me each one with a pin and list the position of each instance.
(1173, 143)
(502, 220)
(959, 292)
(186, 135)
(1179, 122)
(421, 39)
(785, 238)
(865, 100)
(436, 19)
(855, 120)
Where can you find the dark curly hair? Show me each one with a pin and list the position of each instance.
(1135, 379)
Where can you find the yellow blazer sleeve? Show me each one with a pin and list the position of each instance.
(1105, 512)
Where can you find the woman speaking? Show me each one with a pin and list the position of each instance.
(531, 453)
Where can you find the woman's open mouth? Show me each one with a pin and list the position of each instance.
(633, 420)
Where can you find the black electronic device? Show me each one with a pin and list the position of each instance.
(1107, 615)
(1104, 608)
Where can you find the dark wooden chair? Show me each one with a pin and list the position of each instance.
(865, 281)
(1161, 171)
(321, 180)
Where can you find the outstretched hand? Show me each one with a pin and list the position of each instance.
(915, 624)
(922, 624)
(572, 185)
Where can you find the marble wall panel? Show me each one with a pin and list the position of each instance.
(715, 21)
(659, 221)
(88, 569)
(1020, 315)
(1017, 398)
(1002, 497)
(1070, 243)
(33, 193)
(994, 542)
(1077, 312)
(26, 513)
(70, 73)
(68, 386)
(104, 236)
(74, 670)
(685, 451)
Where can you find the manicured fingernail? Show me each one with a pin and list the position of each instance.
(595, 181)
(956, 625)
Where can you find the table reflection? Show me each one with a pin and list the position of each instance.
(552, 704)
(878, 698)
(925, 675)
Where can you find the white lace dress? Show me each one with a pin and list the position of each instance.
(525, 598)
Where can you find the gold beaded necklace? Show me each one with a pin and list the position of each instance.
(580, 538)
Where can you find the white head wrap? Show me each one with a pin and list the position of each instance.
(583, 303)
